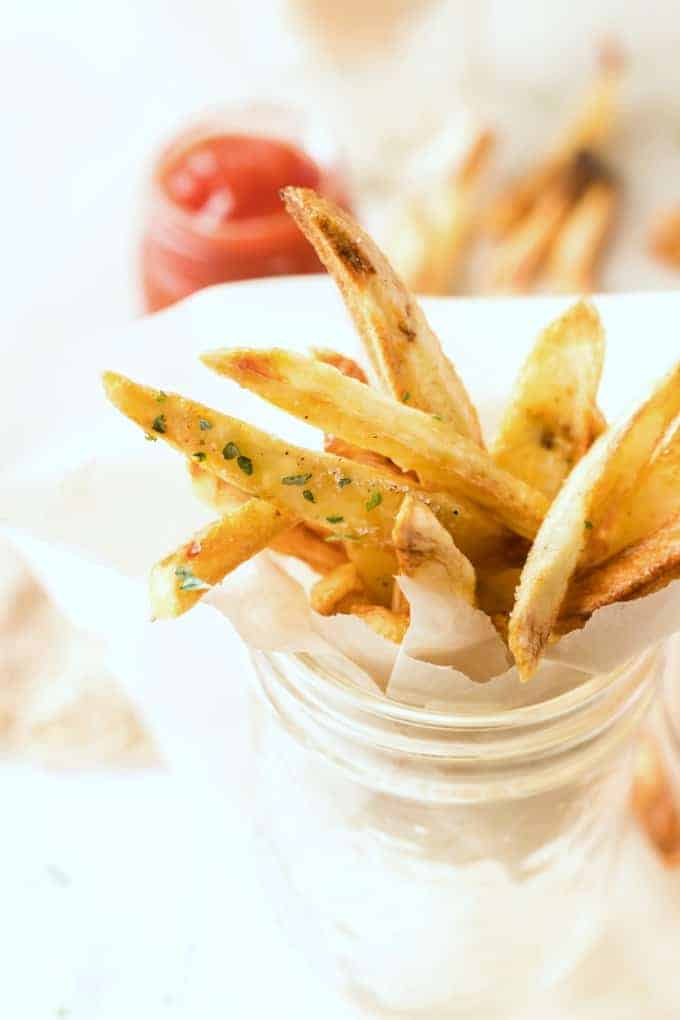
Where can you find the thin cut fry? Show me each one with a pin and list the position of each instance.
(356, 502)
(330, 591)
(405, 353)
(644, 567)
(425, 550)
(376, 566)
(575, 257)
(547, 426)
(607, 471)
(299, 541)
(179, 580)
(441, 457)
(388, 624)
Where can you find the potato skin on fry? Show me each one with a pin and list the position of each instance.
(179, 580)
(404, 352)
(548, 423)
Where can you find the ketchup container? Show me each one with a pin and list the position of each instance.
(214, 212)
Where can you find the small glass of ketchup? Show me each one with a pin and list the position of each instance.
(215, 213)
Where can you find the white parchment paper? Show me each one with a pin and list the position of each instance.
(91, 505)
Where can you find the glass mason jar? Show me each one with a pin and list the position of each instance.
(427, 862)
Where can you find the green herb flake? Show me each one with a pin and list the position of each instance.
(199, 455)
(246, 465)
(335, 519)
(150, 438)
(295, 479)
(161, 397)
(309, 496)
(231, 451)
(342, 482)
(406, 396)
(374, 500)
(437, 417)
(158, 424)
(204, 424)
(588, 524)
(189, 580)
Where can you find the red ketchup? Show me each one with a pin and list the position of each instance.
(216, 214)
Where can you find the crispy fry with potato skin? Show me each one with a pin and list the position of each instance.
(300, 541)
(331, 591)
(642, 568)
(577, 251)
(178, 581)
(406, 355)
(385, 622)
(441, 457)
(599, 480)
(547, 425)
(364, 507)
(425, 550)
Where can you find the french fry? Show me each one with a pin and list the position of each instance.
(548, 423)
(522, 253)
(376, 566)
(598, 423)
(179, 580)
(664, 239)
(425, 550)
(300, 541)
(598, 481)
(644, 567)
(577, 250)
(348, 366)
(441, 457)
(331, 591)
(435, 230)
(405, 353)
(589, 128)
(388, 624)
(496, 585)
(356, 502)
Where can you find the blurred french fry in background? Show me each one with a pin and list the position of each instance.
(654, 804)
(434, 232)
(574, 262)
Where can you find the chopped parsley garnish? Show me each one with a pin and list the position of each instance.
(161, 397)
(309, 496)
(204, 424)
(374, 500)
(296, 479)
(437, 417)
(189, 580)
(158, 424)
(588, 524)
(406, 396)
(152, 439)
(230, 451)
(199, 455)
(342, 482)
(335, 519)
(246, 465)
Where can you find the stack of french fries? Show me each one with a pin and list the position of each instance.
(549, 226)
(561, 516)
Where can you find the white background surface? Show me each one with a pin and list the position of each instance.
(134, 896)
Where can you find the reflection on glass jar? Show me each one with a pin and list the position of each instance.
(429, 863)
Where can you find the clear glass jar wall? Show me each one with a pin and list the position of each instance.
(430, 863)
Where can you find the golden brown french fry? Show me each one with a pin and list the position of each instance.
(300, 541)
(330, 591)
(355, 501)
(548, 424)
(599, 481)
(654, 500)
(426, 551)
(179, 580)
(575, 256)
(441, 457)
(435, 230)
(376, 566)
(648, 565)
(591, 125)
(388, 624)
(348, 366)
(654, 803)
(664, 239)
(405, 353)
